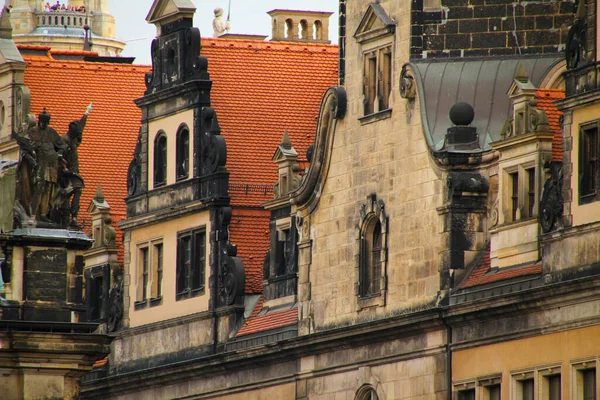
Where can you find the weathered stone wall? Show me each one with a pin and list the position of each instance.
(390, 158)
(464, 28)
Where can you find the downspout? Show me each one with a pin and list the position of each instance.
(448, 358)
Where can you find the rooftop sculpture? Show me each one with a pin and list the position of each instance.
(48, 182)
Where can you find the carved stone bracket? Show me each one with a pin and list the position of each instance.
(231, 277)
(551, 205)
(408, 89)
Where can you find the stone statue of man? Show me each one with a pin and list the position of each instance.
(220, 25)
(72, 181)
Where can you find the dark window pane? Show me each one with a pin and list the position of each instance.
(198, 262)
(514, 182)
(589, 384)
(531, 191)
(466, 394)
(160, 160)
(183, 263)
(144, 255)
(554, 387)
(159, 268)
(589, 164)
(182, 156)
(527, 389)
(494, 392)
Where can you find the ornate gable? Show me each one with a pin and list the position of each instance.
(166, 11)
(374, 23)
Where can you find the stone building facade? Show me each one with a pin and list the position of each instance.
(446, 239)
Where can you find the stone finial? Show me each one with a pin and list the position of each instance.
(286, 143)
(99, 196)
(580, 14)
(5, 26)
(521, 75)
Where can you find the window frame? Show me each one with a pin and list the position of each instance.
(179, 149)
(520, 193)
(160, 160)
(372, 215)
(193, 267)
(377, 79)
(543, 384)
(592, 193)
(577, 370)
(148, 274)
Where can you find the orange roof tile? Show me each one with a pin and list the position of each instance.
(249, 231)
(65, 88)
(482, 275)
(259, 90)
(545, 101)
(270, 321)
(100, 363)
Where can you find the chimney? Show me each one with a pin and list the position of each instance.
(300, 26)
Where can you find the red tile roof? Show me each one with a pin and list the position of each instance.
(249, 231)
(256, 324)
(482, 275)
(545, 101)
(100, 363)
(259, 90)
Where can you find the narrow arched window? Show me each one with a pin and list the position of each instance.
(304, 30)
(182, 156)
(366, 392)
(160, 160)
(371, 248)
(318, 30)
(289, 29)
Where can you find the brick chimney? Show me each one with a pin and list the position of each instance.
(300, 26)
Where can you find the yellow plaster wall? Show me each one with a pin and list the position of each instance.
(582, 214)
(169, 125)
(170, 308)
(552, 349)
(390, 158)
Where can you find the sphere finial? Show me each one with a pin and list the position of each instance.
(461, 114)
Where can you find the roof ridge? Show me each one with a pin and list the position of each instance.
(261, 44)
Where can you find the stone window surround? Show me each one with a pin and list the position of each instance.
(153, 271)
(480, 384)
(378, 50)
(587, 126)
(366, 392)
(281, 225)
(523, 188)
(577, 368)
(373, 208)
(160, 135)
(189, 291)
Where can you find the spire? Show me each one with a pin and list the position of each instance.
(522, 75)
(286, 143)
(5, 26)
(99, 196)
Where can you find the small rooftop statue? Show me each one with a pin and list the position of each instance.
(48, 182)
(219, 24)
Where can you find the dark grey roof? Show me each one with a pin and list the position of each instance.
(483, 83)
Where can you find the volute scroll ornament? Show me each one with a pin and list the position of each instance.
(214, 150)
(407, 84)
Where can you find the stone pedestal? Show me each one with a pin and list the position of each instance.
(43, 274)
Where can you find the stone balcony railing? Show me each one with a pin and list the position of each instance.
(68, 19)
(582, 79)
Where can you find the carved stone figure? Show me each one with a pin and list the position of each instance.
(71, 181)
(46, 145)
(48, 184)
(219, 24)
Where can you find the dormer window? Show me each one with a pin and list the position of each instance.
(375, 34)
(182, 157)
(160, 160)
(521, 202)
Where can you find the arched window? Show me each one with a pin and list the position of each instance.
(304, 30)
(289, 29)
(366, 392)
(370, 282)
(160, 160)
(182, 156)
(318, 30)
(372, 253)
